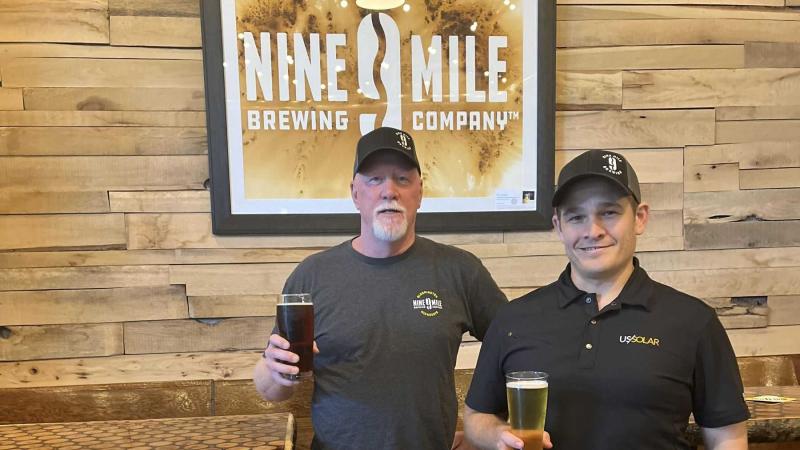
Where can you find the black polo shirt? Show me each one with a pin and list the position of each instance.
(626, 377)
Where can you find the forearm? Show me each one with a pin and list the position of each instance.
(266, 385)
(731, 437)
(483, 430)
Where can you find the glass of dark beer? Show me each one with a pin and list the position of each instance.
(527, 406)
(295, 317)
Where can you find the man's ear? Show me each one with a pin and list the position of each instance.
(642, 213)
(354, 195)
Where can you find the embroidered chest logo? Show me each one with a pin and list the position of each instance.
(613, 164)
(427, 303)
(639, 340)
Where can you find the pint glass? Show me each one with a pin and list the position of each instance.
(295, 318)
(527, 405)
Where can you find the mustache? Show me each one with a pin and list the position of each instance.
(393, 205)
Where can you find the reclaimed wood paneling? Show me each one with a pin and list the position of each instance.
(711, 88)
(634, 129)
(737, 206)
(49, 231)
(10, 99)
(14, 202)
(758, 130)
(651, 57)
(160, 201)
(750, 155)
(102, 118)
(103, 172)
(231, 279)
(758, 112)
(90, 72)
(740, 258)
(31, 279)
(607, 33)
(711, 177)
(662, 196)
(761, 281)
(121, 401)
(627, 11)
(577, 90)
(236, 365)
(83, 21)
(784, 309)
(771, 54)
(43, 50)
(232, 306)
(777, 340)
(742, 235)
(113, 99)
(61, 341)
(167, 336)
(155, 31)
(652, 165)
(160, 8)
(108, 141)
(93, 305)
(788, 177)
(10, 260)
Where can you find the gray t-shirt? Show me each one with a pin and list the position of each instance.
(388, 331)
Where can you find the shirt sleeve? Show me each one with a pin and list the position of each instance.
(718, 395)
(484, 299)
(487, 392)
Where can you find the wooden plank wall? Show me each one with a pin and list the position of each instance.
(109, 272)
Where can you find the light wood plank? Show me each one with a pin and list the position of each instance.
(662, 196)
(106, 141)
(33, 279)
(54, 21)
(114, 99)
(14, 202)
(736, 206)
(740, 321)
(155, 31)
(232, 306)
(12, 51)
(102, 118)
(93, 305)
(651, 57)
(750, 155)
(50, 231)
(103, 172)
(517, 272)
(711, 177)
(652, 165)
(61, 341)
(653, 11)
(757, 130)
(171, 336)
(607, 33)
(758, 112)
(675, 2)
(246, 255)
(792, 3)
(732, 282)
(520, 244)
(740, 258)
(710, 88)
(160, 201)
(742, 235)
(771, 54)
(769, 178)
(765, 341)
(190, 230)
(161, 8)
(634, 129)
(232, 279)
(88, 72)
(10, 99)
(129, 369)
(10, 260)
(784, 310)
(577, 90)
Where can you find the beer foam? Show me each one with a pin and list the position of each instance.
(527, 384)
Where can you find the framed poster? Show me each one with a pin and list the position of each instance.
(291, 86)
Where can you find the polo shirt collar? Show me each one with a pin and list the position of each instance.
(637, 289)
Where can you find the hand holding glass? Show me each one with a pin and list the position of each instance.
(295, 318)
(527, 406)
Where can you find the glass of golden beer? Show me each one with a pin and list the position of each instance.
(295, 318)
(527, 406)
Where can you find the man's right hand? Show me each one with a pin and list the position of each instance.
(509, 441)
(276, 357)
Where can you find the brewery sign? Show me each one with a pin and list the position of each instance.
(292, 85)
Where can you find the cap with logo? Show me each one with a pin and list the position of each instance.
(599, 163)
(385, 138)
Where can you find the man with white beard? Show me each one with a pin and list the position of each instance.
(390, 310)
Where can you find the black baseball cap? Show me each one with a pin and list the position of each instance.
(385, 138)
(598, 163)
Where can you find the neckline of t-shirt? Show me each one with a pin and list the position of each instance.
(382, 261)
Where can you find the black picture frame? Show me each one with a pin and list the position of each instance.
(224, 222)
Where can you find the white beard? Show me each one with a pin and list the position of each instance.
(389, 231)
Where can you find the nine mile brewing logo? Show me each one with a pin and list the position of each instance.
(428, 303)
